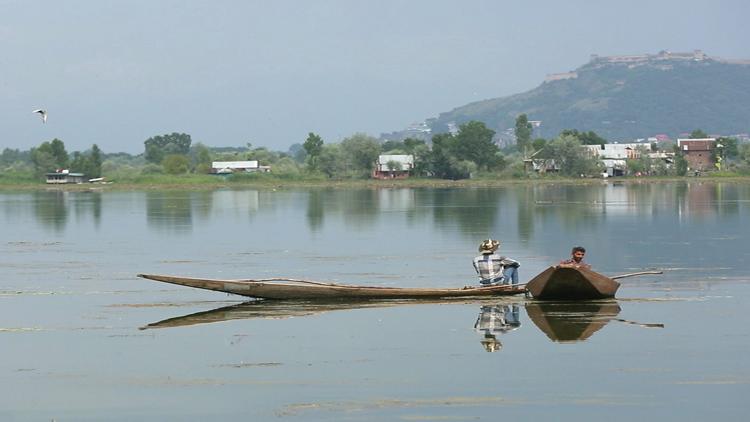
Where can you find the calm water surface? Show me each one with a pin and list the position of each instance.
(83, 339)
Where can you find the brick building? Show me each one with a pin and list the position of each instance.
(698, 153)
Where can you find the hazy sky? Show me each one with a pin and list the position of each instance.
(268, 72)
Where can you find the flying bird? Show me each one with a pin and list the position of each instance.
(42, 113)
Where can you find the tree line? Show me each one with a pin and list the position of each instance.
(52, 156)
(469, 152)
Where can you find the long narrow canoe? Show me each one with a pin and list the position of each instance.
(285, 288)
(571, 283)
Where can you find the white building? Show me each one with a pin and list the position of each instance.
(404, 163)
(226, 167)
(616, 151)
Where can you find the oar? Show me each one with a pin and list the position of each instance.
(615, 277)
(640, 324)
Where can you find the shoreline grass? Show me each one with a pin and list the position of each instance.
(209, 182)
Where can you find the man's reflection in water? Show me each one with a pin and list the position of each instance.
(494, 320)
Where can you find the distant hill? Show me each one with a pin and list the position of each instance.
(626, 97)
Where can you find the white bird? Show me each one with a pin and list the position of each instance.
(42, 113)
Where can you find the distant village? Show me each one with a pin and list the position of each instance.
(701, 155)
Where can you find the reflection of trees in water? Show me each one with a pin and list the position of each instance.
(685, 198)
(315, 208)
(50, 209)
(170, 210)
(202, 203)
(479, 212)
(570, 206)
(581, 208)
(525, 215)
(714, 198)
(473, 210)
(88, 202)
(358, 207)
(53, 208)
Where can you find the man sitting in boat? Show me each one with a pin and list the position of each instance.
(493, 268)
(576, 259)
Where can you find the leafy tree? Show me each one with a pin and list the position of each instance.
(176, 164)
(538, 144)
(698, 134)
(43, 160)
(586, 138)
(263, 155)
(744, 153)
(58, 151)
(10, 156)
(729, 146)
(411, 145)
(78, 164)
(151, 168)
(465, 168)
(474, 143)
(297, 152)
(680, 165)
(500, 161)
(421, 153)
(331, 161)
(567, 152)
(643, 164)
(158, 147)
(393, 146)
(361, 152)
(95, 162)
(440, 156)
(88, 163)
(523, 134)
(286, 167)
(200, 158)
(49, 156)
(313, 147)
(443, 161)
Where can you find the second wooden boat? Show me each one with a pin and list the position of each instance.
(285, 288)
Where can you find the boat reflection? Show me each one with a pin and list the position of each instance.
(562, 322)
(494, 320)
(566, 322)
(279, 309)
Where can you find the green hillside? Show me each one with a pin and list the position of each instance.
(626, 100)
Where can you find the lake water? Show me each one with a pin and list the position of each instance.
(83, 339)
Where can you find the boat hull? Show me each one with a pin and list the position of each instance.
(306, 290)
(571, 283)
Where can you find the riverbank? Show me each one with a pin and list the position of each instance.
(204, 182)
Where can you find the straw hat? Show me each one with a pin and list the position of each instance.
(488, 246)
(490, 343)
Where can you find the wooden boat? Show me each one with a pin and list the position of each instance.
(286, 288)
(562, 282)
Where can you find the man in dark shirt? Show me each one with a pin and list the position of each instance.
(576, 259)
